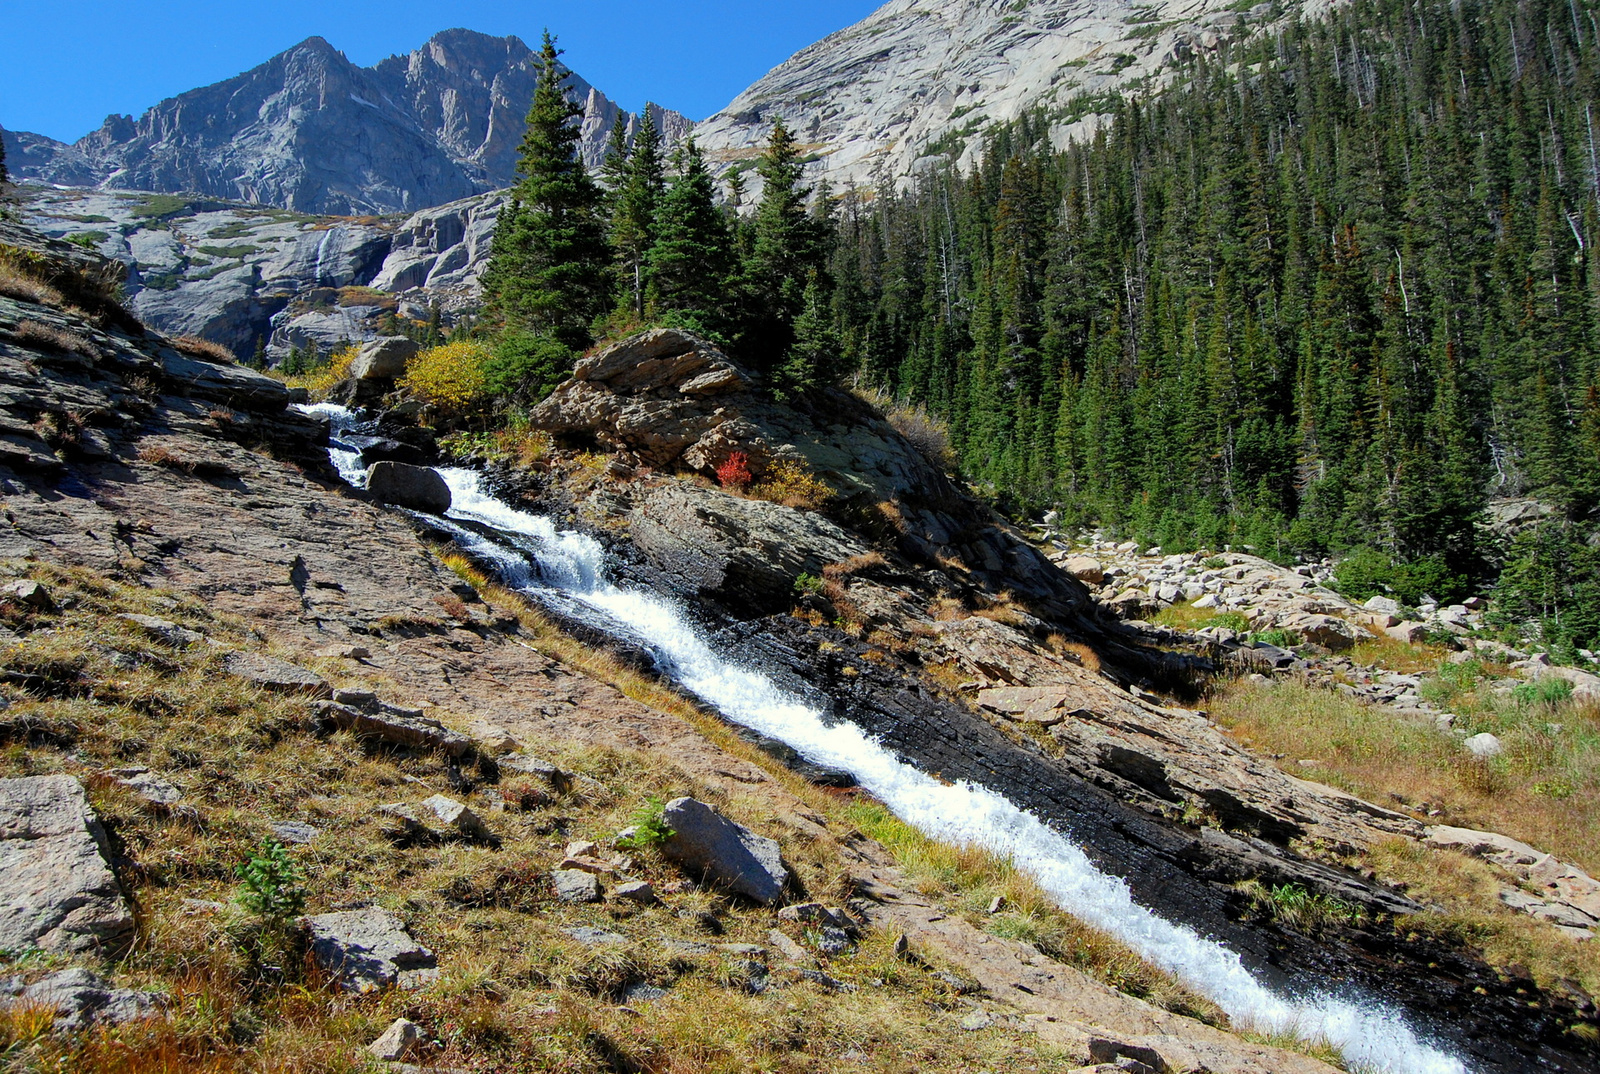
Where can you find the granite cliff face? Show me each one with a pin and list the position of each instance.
(918, 80)
(312, 132)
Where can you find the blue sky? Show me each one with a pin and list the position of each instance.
(67, 64)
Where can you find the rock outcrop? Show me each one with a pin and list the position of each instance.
(917, 82)
(671, 401)
(57, 890)
(310, 131)
(80, 999)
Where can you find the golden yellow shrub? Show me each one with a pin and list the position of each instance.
(791, 483)
(452, 377)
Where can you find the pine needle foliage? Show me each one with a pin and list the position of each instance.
(549, 268)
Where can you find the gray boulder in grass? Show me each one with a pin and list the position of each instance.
(370, 949)
(57, 890)
(729, 855)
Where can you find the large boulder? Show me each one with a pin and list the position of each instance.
(403, 485)
(729, 855)
(57, 891)
(370, 949)
(658, 395)
(1328, 631)
(383, 358)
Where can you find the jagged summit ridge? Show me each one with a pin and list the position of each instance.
(919, 79)
(311, 131)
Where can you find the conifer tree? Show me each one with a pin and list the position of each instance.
(613, 166)
(815, 358)
(691, 259)
(782, 252)
(634, 203)
(549, 264)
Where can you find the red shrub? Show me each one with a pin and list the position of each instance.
(735, 472)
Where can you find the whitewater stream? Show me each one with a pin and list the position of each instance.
(536, 558)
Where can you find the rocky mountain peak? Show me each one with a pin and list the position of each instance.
(310, 131)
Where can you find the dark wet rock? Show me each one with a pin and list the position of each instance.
(404, 485)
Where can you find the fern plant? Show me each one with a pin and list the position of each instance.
(649, 825)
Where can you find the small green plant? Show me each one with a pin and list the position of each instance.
(1237, 622)
(1297, 907)
(274, 886)
(807, 583)
(1281, 638)
(1546, 692)
(649, 825)
(1214, 563)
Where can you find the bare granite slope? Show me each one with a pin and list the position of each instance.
(919, 79)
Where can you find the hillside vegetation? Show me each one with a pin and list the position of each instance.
(1333, 290)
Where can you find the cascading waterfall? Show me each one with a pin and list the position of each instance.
(537, 558)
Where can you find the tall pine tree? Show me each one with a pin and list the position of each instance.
(782, 255)
(692, 257)
(549, 266)
(634, 202)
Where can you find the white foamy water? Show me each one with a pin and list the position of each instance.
(538, 556)
(1368, 1036)
(344, 458)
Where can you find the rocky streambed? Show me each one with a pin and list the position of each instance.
(915, 636)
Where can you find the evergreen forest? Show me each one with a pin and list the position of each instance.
(1330, 290)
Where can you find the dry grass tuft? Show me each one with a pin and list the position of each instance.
(929, 435)
(204, 349)
(1004, 608)
(17, 284)
(59, 429)
(1075, 651)
(49, 337)
(854, 565)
